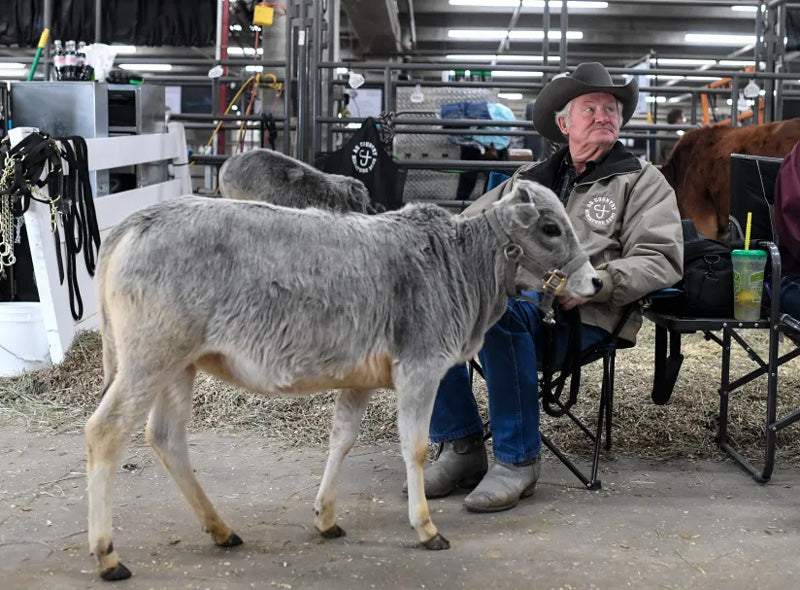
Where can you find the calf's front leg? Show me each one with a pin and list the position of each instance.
(414, 408)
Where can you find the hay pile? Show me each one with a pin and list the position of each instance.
(60, 398)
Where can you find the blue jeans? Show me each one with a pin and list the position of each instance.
(790, 295)
(509, 361)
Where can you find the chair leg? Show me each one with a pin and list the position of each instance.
(609, 363)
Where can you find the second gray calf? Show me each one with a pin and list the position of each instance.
(269, 176)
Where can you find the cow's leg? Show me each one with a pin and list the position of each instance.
(166, 433)
(415, 397)
(347, 414)
(123, 406)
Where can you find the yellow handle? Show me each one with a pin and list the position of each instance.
(43, 39)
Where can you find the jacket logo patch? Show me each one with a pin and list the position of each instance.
(364, 156)
(601, 211)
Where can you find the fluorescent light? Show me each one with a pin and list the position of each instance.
(254, 68)
(744, 8)
(12, 65)
(502, 57)
(342, 70)
(528, 3)
(251, 51)
(658, 99)
(679, 98)
(719, 39)
(13, 73)
(514, 74)
(685, 61)
(146, 67)
(499, 34)
(510, 95)
(736, 63)
(528, 35)
(124, 49)
(672, 77)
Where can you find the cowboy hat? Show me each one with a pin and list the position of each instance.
(587, 78)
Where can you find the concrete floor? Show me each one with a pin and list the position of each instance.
(672, 525)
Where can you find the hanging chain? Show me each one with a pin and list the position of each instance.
(7, 225)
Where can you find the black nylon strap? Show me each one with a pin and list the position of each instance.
(37, 161)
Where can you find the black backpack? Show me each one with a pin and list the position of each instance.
(706, 289)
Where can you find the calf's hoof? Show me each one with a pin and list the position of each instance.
(232, 541)
(333, 533)
(436, 543)
(118, 572)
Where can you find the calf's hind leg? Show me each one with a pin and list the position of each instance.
(109, 427)
(350, 406)
(166, 433)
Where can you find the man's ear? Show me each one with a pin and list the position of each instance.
(562, 125)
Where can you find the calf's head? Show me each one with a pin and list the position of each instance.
(543, 240)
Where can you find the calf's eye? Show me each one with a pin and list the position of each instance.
(551, 229)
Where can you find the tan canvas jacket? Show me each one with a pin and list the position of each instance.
(626, 218)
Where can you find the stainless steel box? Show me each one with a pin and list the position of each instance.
(62, 109)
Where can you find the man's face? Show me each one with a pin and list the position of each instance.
(594, 121)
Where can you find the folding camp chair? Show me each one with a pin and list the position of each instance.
(555, 380)
(752, 190)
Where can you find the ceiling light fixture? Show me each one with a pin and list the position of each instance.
(502, 57)
(515, 74)
(500, 34)
(12, 65)
(146, 67)
(510, 95)
(744, 8)
(685, 61)
(554, 4)
(736, 63)
(719, 39)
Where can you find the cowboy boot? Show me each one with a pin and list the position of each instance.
(460, 463)
(504, 485)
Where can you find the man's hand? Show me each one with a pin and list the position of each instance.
(568, 301)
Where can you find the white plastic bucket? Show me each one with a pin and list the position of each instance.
(23, 339)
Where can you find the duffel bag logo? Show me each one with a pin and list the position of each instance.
(364, 156)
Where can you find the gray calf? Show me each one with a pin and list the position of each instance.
(272, 177)
(287, 301)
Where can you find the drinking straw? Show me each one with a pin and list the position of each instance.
(747, 230)
(39, 49)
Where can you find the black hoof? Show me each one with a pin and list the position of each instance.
(333, 533)
(231, 541)
(112, 574)
(437, 543)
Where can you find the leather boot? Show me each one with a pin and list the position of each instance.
(460, 463)
(503, 487)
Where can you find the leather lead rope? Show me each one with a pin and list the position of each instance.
(38, 161)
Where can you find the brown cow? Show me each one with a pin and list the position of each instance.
(699, 167)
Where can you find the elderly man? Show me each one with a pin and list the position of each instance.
(627, 220)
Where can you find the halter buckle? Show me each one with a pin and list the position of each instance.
(554, 282)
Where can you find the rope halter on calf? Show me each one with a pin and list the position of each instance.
(554, 280)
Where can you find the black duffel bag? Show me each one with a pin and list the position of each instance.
(706, 289)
